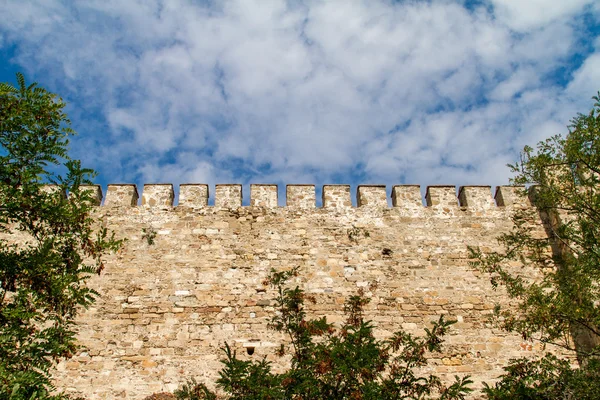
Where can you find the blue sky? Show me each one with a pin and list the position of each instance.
(243, 91)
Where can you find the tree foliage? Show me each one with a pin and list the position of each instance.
(42, 279)
(548, 378)
(344, 363)
(561, 306)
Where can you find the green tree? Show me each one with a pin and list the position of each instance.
(561, 306)
(329, 363)
(42, 278)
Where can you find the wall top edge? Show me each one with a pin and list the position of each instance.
(427, 194)
(461, 188)
(300, 184)
(368, 196)
(499, 188)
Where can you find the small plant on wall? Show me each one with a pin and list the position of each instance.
(149, 235)
(356, 233)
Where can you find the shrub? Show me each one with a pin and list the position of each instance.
(330, 363)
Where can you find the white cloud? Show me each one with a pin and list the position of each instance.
(530, 14)
(525, 78)
(428, 92)
(586, 80)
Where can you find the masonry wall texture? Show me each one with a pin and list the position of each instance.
(168, 305)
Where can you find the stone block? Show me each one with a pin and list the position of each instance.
(121, 195)
(441, 196)
(476, 197)
(371, 196)
(507, 196)
(263, 195)
(228, 196)
(300, 196)
(193, 195)
(407, 199)
(158, 195)
(337, 196)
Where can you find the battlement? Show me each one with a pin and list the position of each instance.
(406, 198)
(190, 275)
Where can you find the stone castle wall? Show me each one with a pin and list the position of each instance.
(169, 303)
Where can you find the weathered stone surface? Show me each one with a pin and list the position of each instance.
(442, 199)
(121, 195)
(263, 195)
(337, 197)
(228, 196)
(300, 196)
(193, 195)
(511, 196)
(407, 199)
(158, 195)
(167, 308)
(371, 196)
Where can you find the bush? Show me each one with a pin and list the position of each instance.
(548, 378)
(329, 363)
(192, 390)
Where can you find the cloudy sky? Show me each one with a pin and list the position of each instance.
(261, 91)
